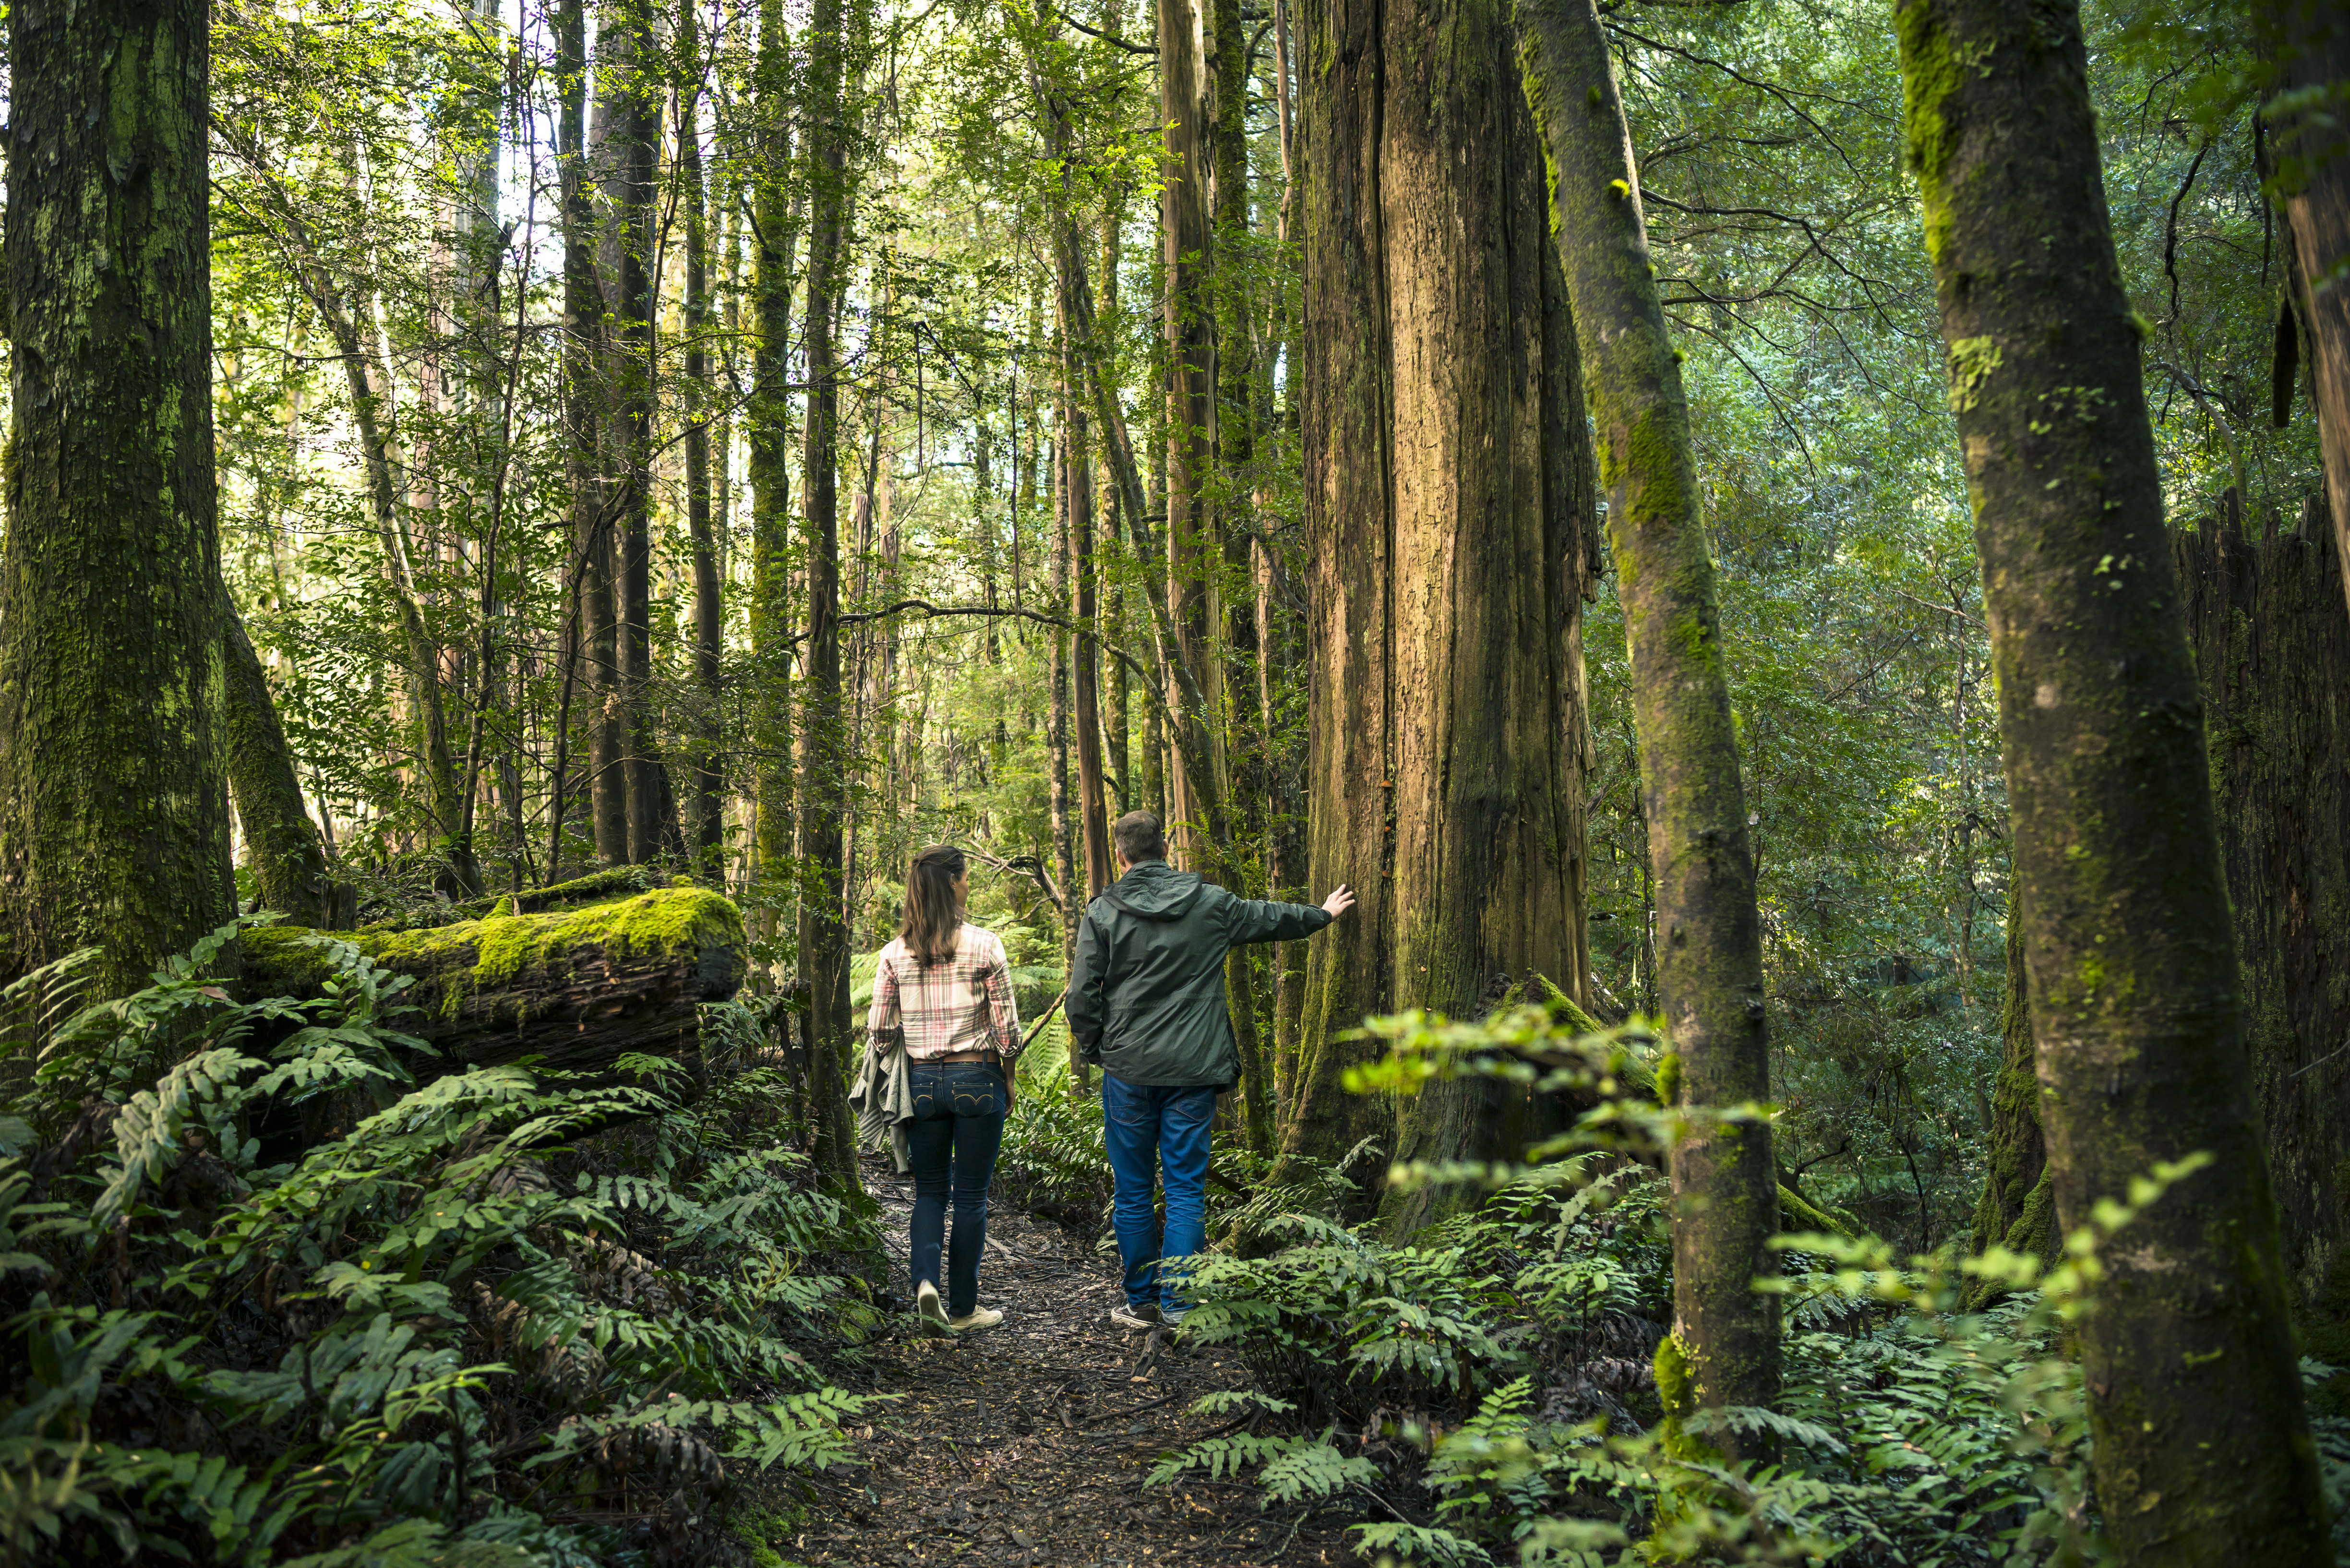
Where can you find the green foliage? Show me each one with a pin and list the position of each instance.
(1503, 1368)
(287, 1303)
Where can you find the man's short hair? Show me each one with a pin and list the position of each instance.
(1140, 837)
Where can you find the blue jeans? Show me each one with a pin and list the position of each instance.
(1156, 1132)
(958, 1125)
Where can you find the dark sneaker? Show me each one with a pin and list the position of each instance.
(931, 1311)
(1136, 1318)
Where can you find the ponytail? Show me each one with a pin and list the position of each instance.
(932, 922)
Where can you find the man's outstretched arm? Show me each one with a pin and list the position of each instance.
(1258, 920)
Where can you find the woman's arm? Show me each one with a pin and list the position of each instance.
(1003, 1006)
(883, 1015)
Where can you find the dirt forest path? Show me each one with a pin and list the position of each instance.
(1027, 1444)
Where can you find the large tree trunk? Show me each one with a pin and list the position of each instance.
(1443, 724)
(824, 775)
(1187, 245)
(289, 862)
(2309, 159)
(1710, 967)
(576, 989)
(2201, 1450)
(114, 827)
(2271, 633)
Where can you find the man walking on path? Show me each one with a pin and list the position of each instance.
(1146, 1005)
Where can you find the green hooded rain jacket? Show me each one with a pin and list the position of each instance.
(1147, 992)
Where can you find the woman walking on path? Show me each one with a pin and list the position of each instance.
(947, 984)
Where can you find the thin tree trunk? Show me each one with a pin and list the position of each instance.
(767, 417)
(2200, 1447)
(2018, 1207)
(631, 138)
(289, 862)
(1710, 969)
(706, 829)
(824, 776)
(1056, 722)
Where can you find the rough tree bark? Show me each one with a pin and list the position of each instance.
(1187, 245)
(114, 826)
(2201, 1450)
(289, 861)
(2270, 635)
(1709, 957)
(1446, 567)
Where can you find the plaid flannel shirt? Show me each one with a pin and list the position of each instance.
(963, 1004)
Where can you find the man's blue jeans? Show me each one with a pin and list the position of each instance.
(1158, 1132)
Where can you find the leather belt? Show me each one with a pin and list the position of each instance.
(995, 1056)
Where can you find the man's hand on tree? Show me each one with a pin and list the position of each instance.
(1338, 902)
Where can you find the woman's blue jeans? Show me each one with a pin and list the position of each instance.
(1162, 1133)
(951, 1142)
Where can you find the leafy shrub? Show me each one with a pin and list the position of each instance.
(1494, 1369)
(485, 1318)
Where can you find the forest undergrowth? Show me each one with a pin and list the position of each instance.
(1505, 1382)
(315, 1297)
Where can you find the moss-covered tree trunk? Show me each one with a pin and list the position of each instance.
(2202, 1453)
(768, 418)
(114, 827)
(705, 823)
(1710, 953)
(2271, 633)
(289, 861)
(824, 772)
(1445, 566)
(570, 989)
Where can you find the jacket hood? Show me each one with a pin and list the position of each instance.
(1154, 890)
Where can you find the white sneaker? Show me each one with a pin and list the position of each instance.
(930, 1312)
(1135, 1318)
(982, 1317)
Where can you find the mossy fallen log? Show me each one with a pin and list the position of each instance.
(577, 988)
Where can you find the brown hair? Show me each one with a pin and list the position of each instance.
(932, 922)
(1140, 837)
